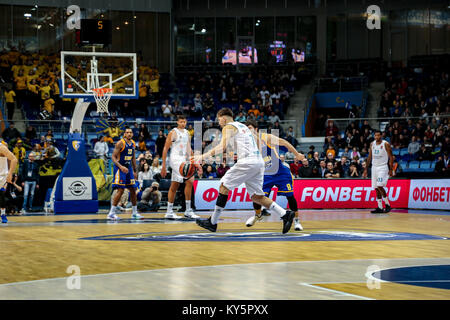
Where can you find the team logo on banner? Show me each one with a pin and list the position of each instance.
(76, 145)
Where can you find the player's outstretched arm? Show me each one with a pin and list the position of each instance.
(170, 137)
(13, 161)
(277, 141)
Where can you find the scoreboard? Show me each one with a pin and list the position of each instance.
(94, 32)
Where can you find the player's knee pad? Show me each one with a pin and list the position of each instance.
(222, 200)
(292, 203)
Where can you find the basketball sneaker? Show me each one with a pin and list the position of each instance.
(207, 224)
(113, 216)
(136, 216)
(252, 220)
(377, 210)
(172, 216)
(387, 208)
(288, 218)
(297, 225)
(264, 212)
(4, 219)
(191, 214)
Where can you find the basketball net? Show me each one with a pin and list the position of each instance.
(102, 96)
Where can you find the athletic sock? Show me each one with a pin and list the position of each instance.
(169, 207)
(134, 210)
(380, 203)
(258, 212)
(3, 212)
(188, 205)
(276, 208)
(386, 201)
(113, 210)
(216, 214)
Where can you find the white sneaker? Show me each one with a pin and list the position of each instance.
(136, 216)
(172, 216)
(191, 214)
(298, 226)
(113, 216)
(252, 220)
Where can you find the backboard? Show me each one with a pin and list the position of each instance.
(83, 71)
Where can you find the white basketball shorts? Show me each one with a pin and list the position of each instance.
(380, 176)
(247, 171)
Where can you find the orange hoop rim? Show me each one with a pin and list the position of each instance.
(102, 91)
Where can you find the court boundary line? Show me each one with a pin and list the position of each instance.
(224, 265)
(335, 291)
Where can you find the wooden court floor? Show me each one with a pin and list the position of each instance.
(340, 254)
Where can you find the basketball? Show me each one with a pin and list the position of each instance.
(187, 169)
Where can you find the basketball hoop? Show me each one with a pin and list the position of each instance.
(102, 96)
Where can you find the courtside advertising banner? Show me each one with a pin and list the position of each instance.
(312, 194)
(207, 191)
(430, 194)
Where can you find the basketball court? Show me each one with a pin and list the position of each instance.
(340, 255)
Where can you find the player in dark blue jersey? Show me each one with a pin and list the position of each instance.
(124, 173)
(276, 173)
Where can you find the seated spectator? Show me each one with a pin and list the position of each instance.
(331, 150)
(353, 171)
(101, 149)
(166, 109)
(145, 173)
(330, 158)
(51, 152)
(156, 168)
(222, 169)
(141, 146)
(240, 117)
(306, 170)
(208, 105)
(11, 132)
(151, 198)
(355, 153)
(37, 149)
(343, 167)
(290, 137)
(253, 110)
(331, 130)
(209, 173)
(30, 133)
(177, 108)
(315, 160)
(331, 172)
(442, 167)
(413, 146)
(322, 169)
(424, 154)
(295, 166)
(311, 152)
(273, 118)
(224, 95)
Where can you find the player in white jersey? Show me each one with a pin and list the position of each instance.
(380, 153)
(6, 173)
(179, 143)
(248, 170)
